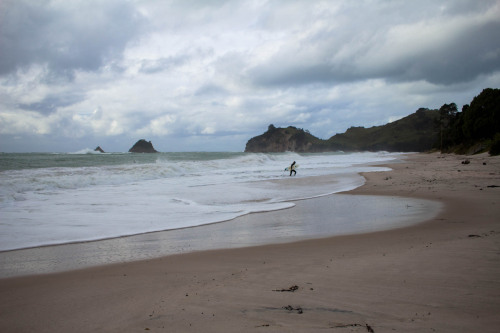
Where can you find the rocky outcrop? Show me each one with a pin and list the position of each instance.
(99, 149)
(142, 146)
(285, 139)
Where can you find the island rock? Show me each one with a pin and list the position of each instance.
(99, 149)
(142, 146)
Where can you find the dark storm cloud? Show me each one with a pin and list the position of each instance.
(439, 49)
(473, 53)
(52, 102)
(76, 35)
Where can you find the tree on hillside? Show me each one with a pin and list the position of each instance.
(447, 120)
(478, 123)
(481, 120)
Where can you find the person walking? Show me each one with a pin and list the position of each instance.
(292, 169)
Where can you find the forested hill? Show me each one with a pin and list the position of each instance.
(475, 129)
(416, 132)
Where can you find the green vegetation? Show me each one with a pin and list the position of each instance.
(416, 132)
(495, 145)
(475, 129)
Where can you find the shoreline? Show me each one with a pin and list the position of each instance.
(441, 275)
(76, 242)
(347, 181)
(321, 216)
(306, 220)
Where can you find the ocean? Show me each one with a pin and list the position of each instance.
(57, 198)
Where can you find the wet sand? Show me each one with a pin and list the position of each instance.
(331, 215)
(442, 275)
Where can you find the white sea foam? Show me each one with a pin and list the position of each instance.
(86, 151)
(131, 194)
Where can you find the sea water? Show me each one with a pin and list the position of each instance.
(73, 197)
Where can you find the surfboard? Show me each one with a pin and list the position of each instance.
(294, 167)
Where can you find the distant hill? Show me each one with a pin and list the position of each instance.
(416, 132)
(476, 129)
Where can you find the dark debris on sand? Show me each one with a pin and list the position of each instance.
(291, 308)
(291, 289)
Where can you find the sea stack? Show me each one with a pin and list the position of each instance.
(142, 146)
(99, 149)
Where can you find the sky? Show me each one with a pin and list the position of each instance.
(202, 75)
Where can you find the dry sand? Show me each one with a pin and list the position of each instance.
(439, 276)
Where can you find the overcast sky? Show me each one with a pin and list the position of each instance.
(198, 75)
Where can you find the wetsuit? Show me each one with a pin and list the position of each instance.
(292, 169)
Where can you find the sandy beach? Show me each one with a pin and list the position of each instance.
(442, 275)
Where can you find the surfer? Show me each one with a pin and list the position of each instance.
(292, 169)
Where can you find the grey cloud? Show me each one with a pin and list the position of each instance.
(297, 74)
(474, 53)
(52, 102)
(73, 35)
(210, 89)
(459, 7)
(159, 65)
(363, 50)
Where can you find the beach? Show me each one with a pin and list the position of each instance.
(442, 275)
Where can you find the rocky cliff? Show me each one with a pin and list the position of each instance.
(285, 139)
(142, 146)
